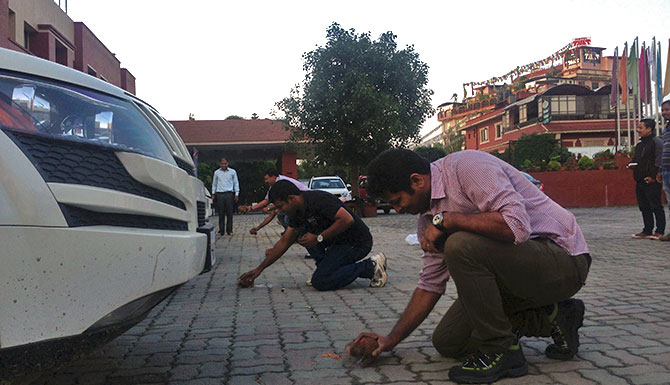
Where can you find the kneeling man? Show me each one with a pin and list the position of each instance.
(337, 239)
(516, 257)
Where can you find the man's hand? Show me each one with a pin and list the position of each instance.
(247, 279)
(659, 177)
(308, 240)
(253, 231)
(649, 179)
(433, 240)
(236, 198)
(243, 209)
(385, 343)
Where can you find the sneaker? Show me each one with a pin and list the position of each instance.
(642, 235)
(309, 282)
(483, 368)
(664, 238)
(565, 330)
(655, 236)
(379, 277)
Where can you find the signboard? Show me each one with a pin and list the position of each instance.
(580, 41)
(592, 55)
(571, 57)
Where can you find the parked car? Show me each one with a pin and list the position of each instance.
(332, 184)
(102, 215)
(381, 204)
(532, 180)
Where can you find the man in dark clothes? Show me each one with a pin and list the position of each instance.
(645, 165)
(336, 238)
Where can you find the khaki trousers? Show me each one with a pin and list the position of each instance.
(503, 287)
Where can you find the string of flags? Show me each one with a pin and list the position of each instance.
(516, 72)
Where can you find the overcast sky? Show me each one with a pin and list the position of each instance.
(216, 58)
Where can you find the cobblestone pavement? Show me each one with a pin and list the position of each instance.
(211, 332)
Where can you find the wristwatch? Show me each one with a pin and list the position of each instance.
(437, 221)
(319, 238)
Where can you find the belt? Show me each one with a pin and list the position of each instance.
(223, 192)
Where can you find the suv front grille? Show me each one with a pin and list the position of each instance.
(184, 166)
(78, 217)
(68, 161)
(201, 213)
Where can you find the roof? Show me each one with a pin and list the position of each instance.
(483, 118)
(231, 131)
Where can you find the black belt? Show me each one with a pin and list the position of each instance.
(224, 192)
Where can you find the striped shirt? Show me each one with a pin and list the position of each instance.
(665, 162)
(301, 186)
(472, 182)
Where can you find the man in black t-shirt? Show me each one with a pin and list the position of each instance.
(336, 238)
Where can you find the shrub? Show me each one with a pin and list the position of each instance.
(585, 163)
(554, 165)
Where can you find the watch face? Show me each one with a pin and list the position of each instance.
(319, 238)
(437, 220)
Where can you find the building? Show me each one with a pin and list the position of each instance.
(41, 28)
(570, 101)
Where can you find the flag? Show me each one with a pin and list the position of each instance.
(642, 70)
(195, 160)
(659, 79)
(623, 79)
(666, 83)
(614, 93)
(632, 70)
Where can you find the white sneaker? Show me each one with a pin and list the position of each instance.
(380, 277)
(309, 282)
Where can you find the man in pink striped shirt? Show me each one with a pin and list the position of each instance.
(516, 257)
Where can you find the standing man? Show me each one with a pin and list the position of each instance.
(516, 256)
(663, 175)
(271, 177)
(336, 238)
(226, 191)
(645, 164)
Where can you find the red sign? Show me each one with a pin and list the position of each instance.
(580, 41)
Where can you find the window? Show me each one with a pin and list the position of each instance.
(91, 71)
(29, 35)
(567, 105)
(484, 135)
(499, 130)
(595, 85)
(12, 25)
(522, 114)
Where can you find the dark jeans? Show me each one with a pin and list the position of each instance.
(649, 202)
(503, 287)
(338, 265)
(225, 202)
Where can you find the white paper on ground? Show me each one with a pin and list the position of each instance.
(412, 239)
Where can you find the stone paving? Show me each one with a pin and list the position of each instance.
(281, 331)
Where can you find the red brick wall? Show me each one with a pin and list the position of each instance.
(590, 188)
(127, 81)
(91, 52)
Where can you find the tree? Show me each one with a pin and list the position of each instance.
(254, 116)
(234, 117)
(454, 140)
(191, 116)
(431, 154)
(536, 150)
(358, 98)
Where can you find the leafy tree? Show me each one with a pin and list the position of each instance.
(234, 117)
(431, 153)
(359, 97)
(538, 149)
(455, 140)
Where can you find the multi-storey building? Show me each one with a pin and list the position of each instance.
(41, 28)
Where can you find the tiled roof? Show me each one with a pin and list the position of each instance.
(231, 131)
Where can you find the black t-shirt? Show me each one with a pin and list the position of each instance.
(319, 214)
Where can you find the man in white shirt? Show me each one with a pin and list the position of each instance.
(225, 192)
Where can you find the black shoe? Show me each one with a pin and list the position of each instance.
(230, 234)
(483, 368)
(565, 330)
(222, 233)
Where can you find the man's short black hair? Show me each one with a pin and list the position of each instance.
(271, 172)
(649, 123)
(281, 190)
(389, 172)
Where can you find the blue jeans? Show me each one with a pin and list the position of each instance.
(338, 265)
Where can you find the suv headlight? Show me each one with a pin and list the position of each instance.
(66, 112)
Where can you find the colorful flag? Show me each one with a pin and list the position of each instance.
(623, 79)
(666, 83)
(614, 93)
(632, 70)
(642, 71)
(659, 79)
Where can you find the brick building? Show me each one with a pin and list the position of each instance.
(41, 28)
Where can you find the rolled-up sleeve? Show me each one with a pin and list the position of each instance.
(486, 184)
(434, 273)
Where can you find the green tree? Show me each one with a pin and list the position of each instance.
(359, 97)
(234, 117)
(538, 149)
(454, 140)
(431, 153)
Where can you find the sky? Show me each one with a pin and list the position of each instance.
(215, 58)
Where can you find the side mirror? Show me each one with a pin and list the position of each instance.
(348, 186)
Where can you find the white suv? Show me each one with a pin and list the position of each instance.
(102, 216)
(332, 184)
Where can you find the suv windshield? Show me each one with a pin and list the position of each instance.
(72, 113)
(327, 183)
